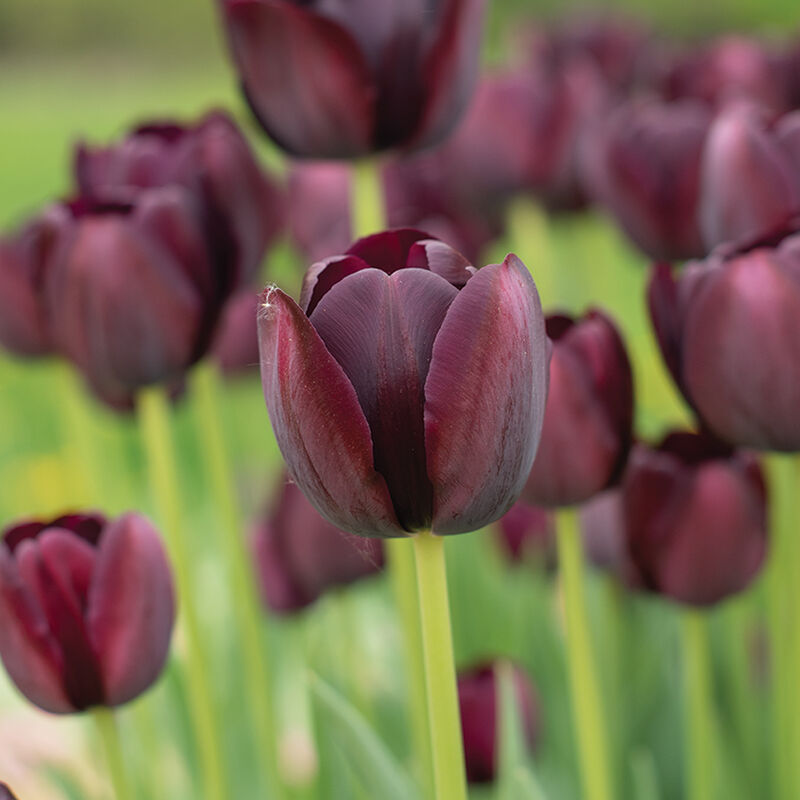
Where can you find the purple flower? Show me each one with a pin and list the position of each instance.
(407, 389)
(235, 345)
(603, 528)
(6, 793)
(527, 532)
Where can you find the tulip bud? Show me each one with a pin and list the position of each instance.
(336, 80)
(300, 555)
(642, 164)
(695, 518)
(603, 529)
(407, 390)
(589, 415)
(87, 610)
(477, 700)
(235, 345)
(527, 533)
(729, 329)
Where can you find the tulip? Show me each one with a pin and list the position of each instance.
(5, 793)
(477, 699)
(603, 529)
(407, 389)
(87, 610)
(235, 345)
(300, 555)
(527, 531)
(642, 164)
(589, 414)
(695, 518)
(729, 329)
(335, 80)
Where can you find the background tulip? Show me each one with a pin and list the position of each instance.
(372, 391)
(695, 518)
(527, 532)
(87, 610)
(333, 80)
(603, 528)
(589, 416)
(235, 345)
(5, 793)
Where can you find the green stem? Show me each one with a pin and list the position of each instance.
(367, 208)
(153, 410)
(583, 676)
(440, 674)
(249, 614)
(699, 724)
(109, 733)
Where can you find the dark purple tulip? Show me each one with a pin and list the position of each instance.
(750, 178)
(695, 518)
(87, 610)
(407, 389)
(300, 555)
(589, 416)
(235, 345)
(328, 79)
(642, 164)
(477, 700)
(526, 532)
(5, 793)
(729, 329)
(603, 528)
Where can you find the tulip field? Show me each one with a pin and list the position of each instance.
(399, 401)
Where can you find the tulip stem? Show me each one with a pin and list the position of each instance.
(583, 676)
(440, 675)
(699, 726)
(109, 733)
(153, 411)
(367, 206)
(250, 616)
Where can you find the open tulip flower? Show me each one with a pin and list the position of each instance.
(407, 390)
(86, 610)
(328, 79)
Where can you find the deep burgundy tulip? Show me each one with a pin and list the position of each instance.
(695, 518)
(589, 416)
(235, 345)
(603, 529)
(478, 703)
(407, 389)
(729, 329)
(642, 164)
(526, 532)
(242, 206)
(336, 80)
(300, 555)
(87, 610)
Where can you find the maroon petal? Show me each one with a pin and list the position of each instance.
(662, 300)
(442, 260)
(388, 250)
(319, 425)
(324, 275)
(381, 329)
(131, 608)
(485, 397)
(304, 76)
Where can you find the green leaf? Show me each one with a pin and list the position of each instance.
(643, 776)
(524, 785)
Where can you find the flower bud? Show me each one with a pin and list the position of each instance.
(87, 610)
(235, 345)
(695, 518)
(527, 533)
(603, 528)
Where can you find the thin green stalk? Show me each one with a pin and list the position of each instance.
(153, 411)
(367, 208)
(440, 674)
(109, 734)
(250, 615)
(698, 710)
(587, 709)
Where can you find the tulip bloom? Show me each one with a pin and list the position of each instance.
(695, 518)
(729, 330)
(603, 529)
(300, 555)
(235, 345)
(527, 531)
(589, 416)
(5, 793)
(407, 389)
(477, 700)
(87, 610)
(339, 80)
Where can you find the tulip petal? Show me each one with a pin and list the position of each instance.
(324, 275)
(381, 329)
(131, 607)
(442, 260)
(485, 397)
(320, 427)
(304, 76)
(662, 301)
(388, 250)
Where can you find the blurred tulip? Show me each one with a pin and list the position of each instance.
(5, 793)
(695, 518)
(477, 699)
(526, 532)
(407, 390)
(337, 80)
(589, 415)
(642, 164)
(603, 528)
(87, 610)
(729, 329)
(235, 345)
(300, 555)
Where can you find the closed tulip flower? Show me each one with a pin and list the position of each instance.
(235, 345)
(407, 389)
(729, 329)
(87, 610)
(695, 519)
(589, 416)
(603, 529)
(527, 532)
